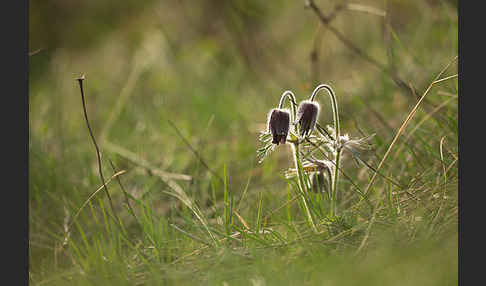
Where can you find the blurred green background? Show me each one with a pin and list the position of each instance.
(214, 69)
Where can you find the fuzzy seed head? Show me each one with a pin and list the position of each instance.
(278, 125)
(307, 114)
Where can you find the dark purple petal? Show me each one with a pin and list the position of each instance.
(278, 125)
(307, 116)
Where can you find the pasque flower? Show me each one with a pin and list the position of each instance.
(310, 172)
(278, 125)
(307, 114)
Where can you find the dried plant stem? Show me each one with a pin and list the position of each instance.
(445, 179)
(98, 154)
(195, 152)
(144, 164)
(416, 127)
(124, 192)
(68, 228)
(365, 9)
(407, 120)
(314, 54)
(35, 52)
(326, 22)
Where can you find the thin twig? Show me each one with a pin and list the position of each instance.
(365, 9)
(326, 22)
(195, 152)
(314, 55)
(124, 191)
(80, 80)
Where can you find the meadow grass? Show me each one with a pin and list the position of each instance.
(177, 118)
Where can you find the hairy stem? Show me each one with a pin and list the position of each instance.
(290, 95)
(335, 116)
(301, 183)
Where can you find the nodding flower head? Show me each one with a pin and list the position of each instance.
(307, 114)
(278, 125)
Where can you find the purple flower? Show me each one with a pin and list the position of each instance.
(307, 116)
(278, 125)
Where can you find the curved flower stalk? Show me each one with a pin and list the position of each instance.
(335, 112)
(337, 155)
(291, 97)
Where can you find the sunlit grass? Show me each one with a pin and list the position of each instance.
(179, 111)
